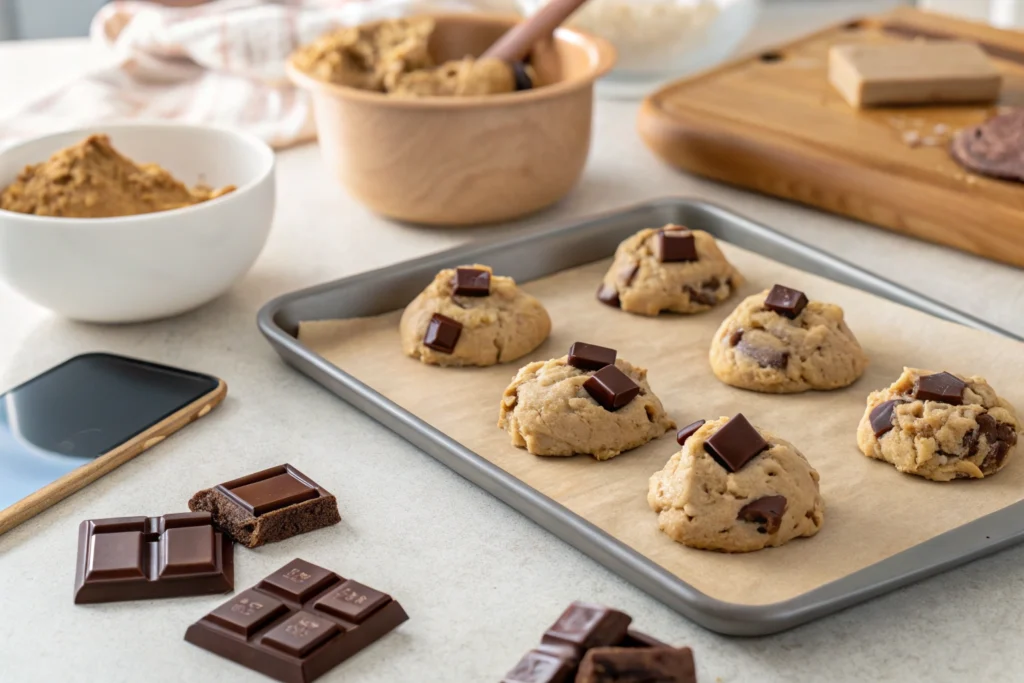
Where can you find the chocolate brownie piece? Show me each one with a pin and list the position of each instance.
(268, 506)
(637, 665)
(993, 148)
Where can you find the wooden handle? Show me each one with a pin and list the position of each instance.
(517, 41)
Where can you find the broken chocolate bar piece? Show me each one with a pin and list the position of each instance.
(590, 356)
(472, 282)
(298, 623)
(633, 665)
(612, 388)
(676, 245)
(139, 558)
(942, 387)
(442, 334)
(689, 430)
(786, 301)
(735, 444)
(581, 627)
(766, 512)
(881, 417)
(268, 506)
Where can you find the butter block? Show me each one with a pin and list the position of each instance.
(918, 72)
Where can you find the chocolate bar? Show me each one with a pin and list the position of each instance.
(138, 558)
(631, 665)
(298, 623)
(579, 629)
(268, 506)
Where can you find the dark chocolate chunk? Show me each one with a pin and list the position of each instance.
(139, 558)
(541, 667)
(584, 626)
(590, 356)
(764, 356)
(580, 628)
(881, 417)
(611, 387)
(442, 333)
(308, 614)
(689, 430)
(608, 295)
(268, 506)
(786, 301)
(942, 387)
(1000, 436)
(735, 444)
(627, 274)
(471, 282)
(676, 245)
(735, 337)
(766, 512)
(632, 665)
(523, 80)
(706, 294)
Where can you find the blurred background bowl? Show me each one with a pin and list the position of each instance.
(661, 40)
(135, 268)
(465, 160)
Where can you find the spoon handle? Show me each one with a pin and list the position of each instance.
(517, 41)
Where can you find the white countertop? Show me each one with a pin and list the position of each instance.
(480, 581)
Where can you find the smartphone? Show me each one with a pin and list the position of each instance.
(74, 423)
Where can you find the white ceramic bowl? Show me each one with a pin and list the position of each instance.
(135, 268)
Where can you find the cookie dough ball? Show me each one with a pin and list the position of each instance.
(548, 410)
(939, 426)
(772, 499)
(668, 269)
(469, 316)
(766, 345)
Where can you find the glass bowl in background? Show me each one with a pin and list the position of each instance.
(660, 40)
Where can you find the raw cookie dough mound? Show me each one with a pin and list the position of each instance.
(771, 498)
(668, 269)
(469, 316)
(571, 405)
(777, 342)
(939, 426)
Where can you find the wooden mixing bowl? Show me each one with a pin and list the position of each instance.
(465, 160)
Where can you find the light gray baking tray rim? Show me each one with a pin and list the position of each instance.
(548, 250)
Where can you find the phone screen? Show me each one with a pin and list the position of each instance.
(81, 409)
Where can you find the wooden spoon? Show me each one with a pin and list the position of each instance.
(514, 46)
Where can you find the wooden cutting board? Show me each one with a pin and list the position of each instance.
(773, 123)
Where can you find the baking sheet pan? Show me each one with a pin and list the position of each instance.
(540, 254)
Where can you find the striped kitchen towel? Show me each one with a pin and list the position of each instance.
(220, 62)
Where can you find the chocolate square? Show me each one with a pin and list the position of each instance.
(689, 430)
(735, 444)
(247, 612)
(786, 301)
(300, 634)
(352, 601)
(442, 334)
(585, 626)
(590, 356)
(612, 388)
(472, 282)
(942, 387)
(540, 667)
(676, 245)
(298, 580)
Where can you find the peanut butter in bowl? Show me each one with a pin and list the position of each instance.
(393, 57)
(91, 179)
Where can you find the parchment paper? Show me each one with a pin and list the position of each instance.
(871, 510)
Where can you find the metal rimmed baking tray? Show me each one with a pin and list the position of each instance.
(548, 251)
